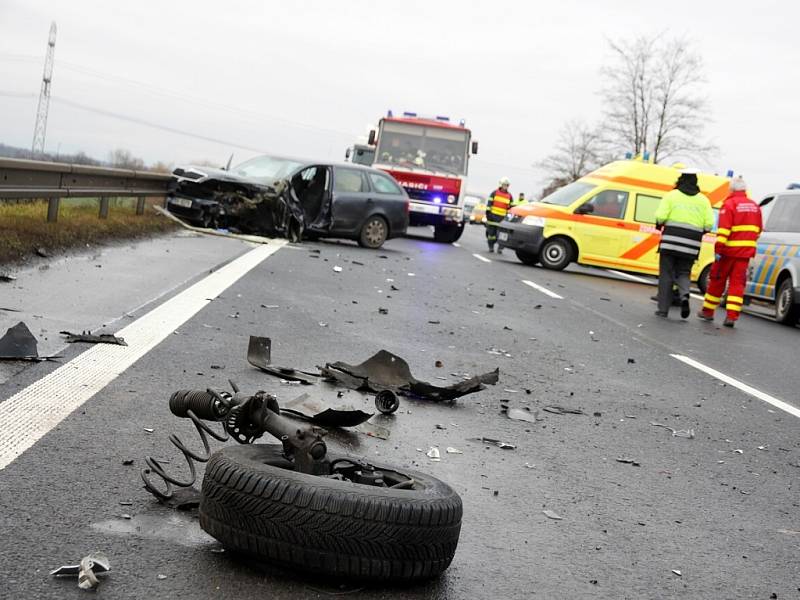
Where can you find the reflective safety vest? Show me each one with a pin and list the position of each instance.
(685, 219)
(499, 203)
(739, 226)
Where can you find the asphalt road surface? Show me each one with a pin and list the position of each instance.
(710, 516)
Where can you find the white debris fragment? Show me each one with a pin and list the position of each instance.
(451, 450)
(411, 275)
(552, 515)
(337, 269)
(433, 454)
(739, 451)
(677, 572)
(530, 466)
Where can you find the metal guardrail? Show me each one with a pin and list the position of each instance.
(20, 179)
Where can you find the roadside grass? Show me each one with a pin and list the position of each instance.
(23, 227)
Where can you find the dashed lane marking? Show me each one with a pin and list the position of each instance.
(483, 258)
(32, 412)
(542, 289)
(631, 277)
(792, 410)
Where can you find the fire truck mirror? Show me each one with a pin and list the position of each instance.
(475, 147)
(371, 140)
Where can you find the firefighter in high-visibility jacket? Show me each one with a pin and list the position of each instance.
(737, 235)
(496, 209)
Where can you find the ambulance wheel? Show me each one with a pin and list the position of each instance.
(527, 258)
(786, 309)
(702, 281)
(556, 254)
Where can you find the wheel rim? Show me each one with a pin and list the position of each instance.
(784, 300)
(554, 253)
(375, 232)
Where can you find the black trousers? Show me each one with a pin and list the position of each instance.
(673, 269)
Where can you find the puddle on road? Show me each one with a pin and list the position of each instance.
(177, 528)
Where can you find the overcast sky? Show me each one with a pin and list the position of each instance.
(307, 78)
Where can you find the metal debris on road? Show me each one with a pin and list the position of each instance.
(677, 572)
(451, 450)
(494, 442)
(629, 461)
(148, 429)
(345, 416)
(562, 410)
(87, 570)
(552, 515)
(684, 433)
(259, 354)
(433, 454)
(91, 338)
(387, 402)
(19, 344)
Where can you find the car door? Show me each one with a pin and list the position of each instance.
(390, 201)
(639, 250)
(352, 199)
(601, 220)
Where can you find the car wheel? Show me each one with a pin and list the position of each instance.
(447, 234)
(527, 258)
(786, 310)
(255, 503)
(374, 232)
(556, 254)
(702, 281)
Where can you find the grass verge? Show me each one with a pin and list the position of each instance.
(23, 227)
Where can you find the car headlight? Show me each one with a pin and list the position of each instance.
(533, 220)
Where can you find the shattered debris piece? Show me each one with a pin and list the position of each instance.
(411, 275)
(629, 461)
(7, 278)
(87, 570)
(521, 414)
(684, 433)
(90, 338)
(127, 462)
(489, 305)
(42, 252)
(373, 430)
(323, 324)
(355, 262)
(631, 361)
(530, 465)
(337, 269)
(270, 306)
(19, 344)
(562, 410)
(677, 572)
(451, 450)
(259, 354)
(498, 443)
(383, 311)
(552, 515)
(433, 454)
(148, 429)
(161, 576)
(438, 364)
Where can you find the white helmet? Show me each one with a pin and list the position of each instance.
(504, 181)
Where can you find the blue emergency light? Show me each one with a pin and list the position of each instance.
(441, 118)
(389, 113)
(730, 173)
(409, 114)
(437, 199)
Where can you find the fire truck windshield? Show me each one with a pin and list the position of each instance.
(417, 146)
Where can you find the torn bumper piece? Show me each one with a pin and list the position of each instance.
(90, 338)
(387, 371)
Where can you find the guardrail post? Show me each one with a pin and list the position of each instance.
(140, 205)
(52, 209)
(103, 207)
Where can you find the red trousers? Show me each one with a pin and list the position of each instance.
(732, 271)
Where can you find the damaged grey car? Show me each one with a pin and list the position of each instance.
(285, 197)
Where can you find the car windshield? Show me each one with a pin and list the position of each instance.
(568, 194)
(427, 148)
(266, 167)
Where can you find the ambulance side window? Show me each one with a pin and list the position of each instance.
(646, 207)
(608, 203)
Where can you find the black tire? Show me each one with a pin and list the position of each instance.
(556, 254)
(702, 281)
(447, 234)
(786, 310)
(527, 258)
(253, 503)
(374, 232)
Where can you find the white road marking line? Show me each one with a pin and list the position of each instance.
(32, 412)
(631, 277)
(542, 289)
(483, 258)
(697, 296)
(738, 384)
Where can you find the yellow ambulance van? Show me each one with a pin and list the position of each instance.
(605, 219)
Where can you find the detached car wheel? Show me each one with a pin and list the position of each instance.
(786, 310)
(255, 503)
(527, 258)
(373, 233)
(556, 254)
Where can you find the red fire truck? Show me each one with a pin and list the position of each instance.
(429, 157)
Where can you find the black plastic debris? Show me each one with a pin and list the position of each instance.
(183, 499)
(629, 461)
(494, 442)
(5, 308)
(19, 344)
(562, 410)
(313, 412)
(631, 361)
(90, 338)
(383, 311)
(259, 354)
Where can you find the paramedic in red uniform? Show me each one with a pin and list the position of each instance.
(737, 234)
(496, 208)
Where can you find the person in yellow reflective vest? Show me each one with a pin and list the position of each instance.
(520, 200)
(496, 209)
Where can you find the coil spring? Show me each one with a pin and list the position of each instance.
(195, 405)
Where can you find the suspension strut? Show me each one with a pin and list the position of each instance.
(245, 419)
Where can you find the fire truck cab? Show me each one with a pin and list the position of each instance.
(429, 157)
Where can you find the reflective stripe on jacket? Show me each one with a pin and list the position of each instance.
(739, 226)
(685, 219)
(499, 203)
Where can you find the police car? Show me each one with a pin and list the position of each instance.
(774, 273)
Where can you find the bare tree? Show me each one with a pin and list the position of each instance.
(654, 99)
(123, 159)
(578, 151)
